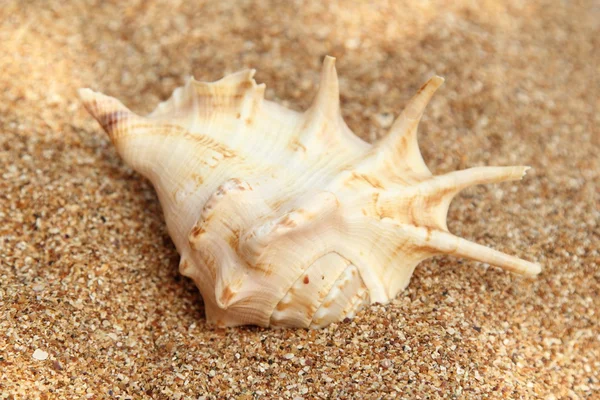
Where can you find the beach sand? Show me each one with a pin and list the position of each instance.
(91, 301)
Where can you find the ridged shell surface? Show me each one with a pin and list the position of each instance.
(288, 219)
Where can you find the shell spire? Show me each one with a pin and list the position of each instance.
(111, 114)
(288, 219)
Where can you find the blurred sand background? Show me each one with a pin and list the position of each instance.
(88, 273)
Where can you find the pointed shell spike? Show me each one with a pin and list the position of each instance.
(401, 141)
(327, 100)
(288, 219)
(324, 117)
(446, 243)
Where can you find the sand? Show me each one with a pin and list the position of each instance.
(91, 302)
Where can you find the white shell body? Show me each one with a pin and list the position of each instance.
(288, 219)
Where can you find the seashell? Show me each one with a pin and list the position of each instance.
(288, 219)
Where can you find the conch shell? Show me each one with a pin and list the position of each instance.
(288, 219)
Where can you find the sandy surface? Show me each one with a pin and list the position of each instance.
(91, 303)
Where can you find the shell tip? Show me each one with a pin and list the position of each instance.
(89, 99)
(86, 95)
(535, 269)
(83, 92)
(328, 72)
